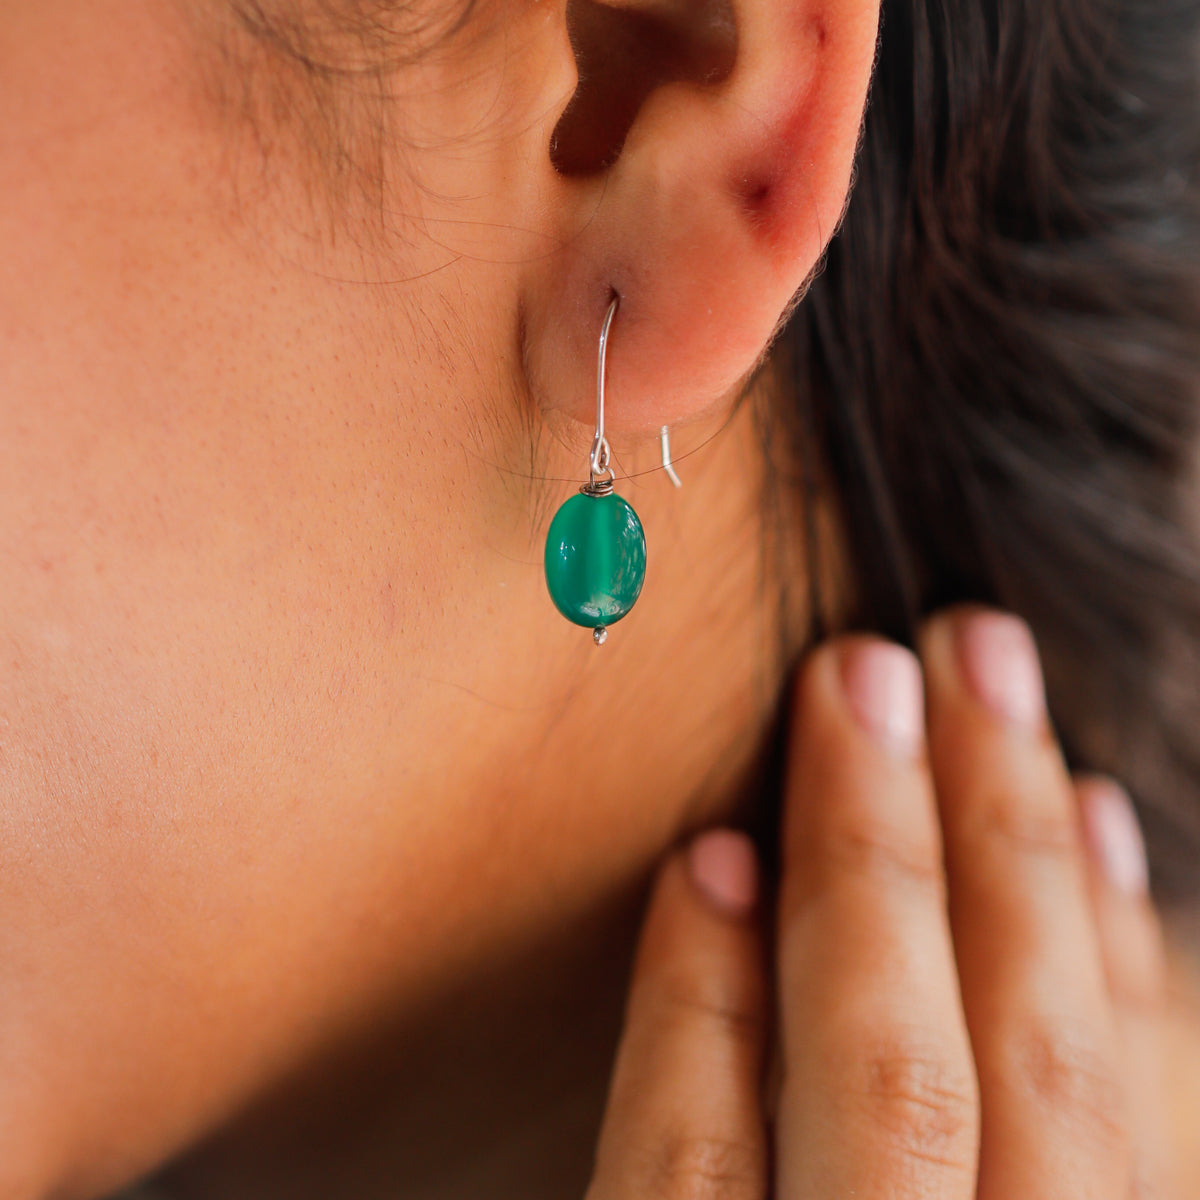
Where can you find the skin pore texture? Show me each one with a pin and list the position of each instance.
(293, 737)
(304, 783)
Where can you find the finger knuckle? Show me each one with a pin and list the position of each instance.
(1015, 823)
(687, 1166)
(1069, 1072)
(863, 847)
(923, 1099)
(693, 996)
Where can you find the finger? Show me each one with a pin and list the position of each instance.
(685, 1115)
(879, 1096)
(1028, 950)
(1134, 958)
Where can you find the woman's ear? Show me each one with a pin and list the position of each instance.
(698, 172)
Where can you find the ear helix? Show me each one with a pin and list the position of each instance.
(596, 549)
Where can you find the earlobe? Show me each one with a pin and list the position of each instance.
(705, 215)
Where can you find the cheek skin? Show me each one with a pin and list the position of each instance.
(292, 732)
(291, 735)
(281, 802)
(243, 603)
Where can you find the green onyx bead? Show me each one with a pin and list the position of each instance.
(595, 559)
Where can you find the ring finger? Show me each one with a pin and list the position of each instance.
(1131, 942)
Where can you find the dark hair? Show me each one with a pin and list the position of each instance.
(1000, 363)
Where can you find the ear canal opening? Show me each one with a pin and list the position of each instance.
(622, 55)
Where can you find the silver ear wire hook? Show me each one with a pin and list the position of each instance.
(595, 555)
(600, 460)
(666, 458)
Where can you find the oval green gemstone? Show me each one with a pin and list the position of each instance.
(595, 559)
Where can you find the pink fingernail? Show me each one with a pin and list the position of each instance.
(1000, 662)
(1113, 835)
(724, 866)
(884, 690)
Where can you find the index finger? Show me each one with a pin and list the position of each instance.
(685, 1114)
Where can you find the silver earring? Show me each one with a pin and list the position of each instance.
(596, 549)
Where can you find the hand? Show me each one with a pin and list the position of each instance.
(968, 982)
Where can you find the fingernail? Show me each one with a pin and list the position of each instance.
(1113, 835)
(1000, 662)
(884, 690)
(724, 866)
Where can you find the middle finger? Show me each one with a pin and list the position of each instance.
(878, 1096)
(1026, 943)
